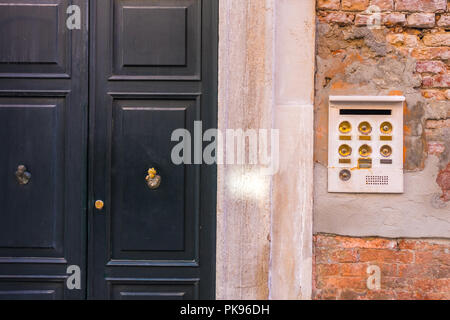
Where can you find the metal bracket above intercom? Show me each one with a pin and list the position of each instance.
(365, 144)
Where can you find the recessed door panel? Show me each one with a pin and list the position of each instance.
(152, 224)
(34, 39)
(156, 39)
(32, 133)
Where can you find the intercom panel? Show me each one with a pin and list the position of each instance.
(365, 144)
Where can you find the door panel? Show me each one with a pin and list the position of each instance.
(156, 39)
(150, 77)
(43, 111)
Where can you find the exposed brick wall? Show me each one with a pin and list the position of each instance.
(407, 52)
(410, 269)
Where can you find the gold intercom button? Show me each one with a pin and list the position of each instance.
(386, 151)
(345, 150)
(365, 127)
(345, 127)
(365, 151)
(386, 128)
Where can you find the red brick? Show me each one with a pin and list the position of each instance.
(439, 81)
(410, 269)
(386, 256)
(394, 19)
(437, 40)
(421, 20)
(421, 5)
(431, 67)
(349, 242)
(343, 282)
(329, 4)
(444, 21)
(384, 5)
(355, 5)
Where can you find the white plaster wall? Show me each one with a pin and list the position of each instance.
(415, 214)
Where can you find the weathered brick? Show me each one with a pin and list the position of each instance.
(421, 5)
(329, 4)
(353, 270)
(394, 19)
(447, 94)
(439, 81)
(355, 5)
(436, 124)
(343, 282)
(411, 41)
(437, 39)
(327, 270)
(430, 53)
(421, 20)
(396, 38)
(384, 5)
(435, 94)
(444, 21)
(431, 66)
(443, 180)
(340, 18)
(436, 147)
(361, 20)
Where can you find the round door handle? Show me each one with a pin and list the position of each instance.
(99, 204)
(153, 180)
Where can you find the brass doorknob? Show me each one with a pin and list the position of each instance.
(99, 204)
(153, 180)
(23, 177)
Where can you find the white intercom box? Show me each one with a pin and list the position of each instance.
(365, 144)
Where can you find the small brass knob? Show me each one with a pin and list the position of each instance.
(153, 180)
(99, 204)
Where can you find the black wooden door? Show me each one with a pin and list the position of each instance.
(43, 125)
(139, 69)
(153, 70)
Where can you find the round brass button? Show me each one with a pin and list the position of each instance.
(365, 127)
(365, 150)
(345, 127)
(386, 151)
(345, 150)
(386, 128)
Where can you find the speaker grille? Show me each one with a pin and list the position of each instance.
(377, 180)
